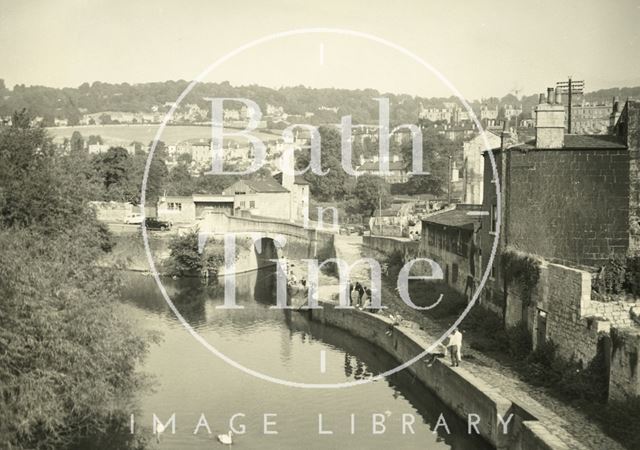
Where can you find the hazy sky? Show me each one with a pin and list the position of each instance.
(484, 47)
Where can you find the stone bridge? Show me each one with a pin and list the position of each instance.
(300, 242)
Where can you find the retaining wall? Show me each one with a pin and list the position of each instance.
(457, 388)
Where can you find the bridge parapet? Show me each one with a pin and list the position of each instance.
(316, 243)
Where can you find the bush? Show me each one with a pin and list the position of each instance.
(618, 275)
(521, 268)
(544, 367)
(519, 341)
(184, 257)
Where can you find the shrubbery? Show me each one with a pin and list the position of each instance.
(185, 259)
(69, 353)
(620, 274)
(521, 268)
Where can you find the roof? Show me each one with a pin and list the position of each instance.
(299, 179)
(579, 142)
(457, 218)
(212, 198)
(374, 166)
(266, 185)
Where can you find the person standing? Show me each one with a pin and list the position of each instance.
(453, 346)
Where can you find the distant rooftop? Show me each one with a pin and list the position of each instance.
(267, 185)
(457, 218)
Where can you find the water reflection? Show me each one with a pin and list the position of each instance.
(284, 344)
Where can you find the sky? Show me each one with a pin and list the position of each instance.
(482, 47)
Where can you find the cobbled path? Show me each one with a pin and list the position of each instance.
(566, 422)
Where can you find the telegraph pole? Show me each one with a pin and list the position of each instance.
(569, 88)
(569, 118)
(449, 183)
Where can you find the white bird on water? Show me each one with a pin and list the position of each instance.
(159, 431)
(226, 438)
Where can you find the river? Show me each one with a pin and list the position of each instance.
(190, 381)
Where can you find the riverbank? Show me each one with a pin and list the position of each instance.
(567, 423)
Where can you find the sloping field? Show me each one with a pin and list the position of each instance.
(125, 134)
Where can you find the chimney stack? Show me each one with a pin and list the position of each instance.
(615, 113)
(549, 122)
(558, 97)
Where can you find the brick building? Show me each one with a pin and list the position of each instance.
(571, 199)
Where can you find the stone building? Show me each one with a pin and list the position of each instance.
(567, 198)
(188, 208)
(397, 172)
(449, 238)
(571, 202)
(266, 198)
(473, 165)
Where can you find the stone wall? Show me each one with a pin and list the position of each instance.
(301, 242)
(585, 230)
(624, 379)
(628, 128)
(390, 245)
(570, 320)
(457, 388)
(113, 211)
(575, 322)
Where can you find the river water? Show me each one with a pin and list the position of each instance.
(190, 381)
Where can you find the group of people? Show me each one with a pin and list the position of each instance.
(360, 295)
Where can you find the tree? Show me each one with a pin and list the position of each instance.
(112, 167)
(331, 186)
(76, 142)
(436, 150)
(68, 351)
(370, 193)
(94, 139)
(184, 257)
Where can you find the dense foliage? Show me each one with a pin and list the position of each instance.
(618, 275)
(186, 258)
(521, 268)
(96, 97)
(68, 351)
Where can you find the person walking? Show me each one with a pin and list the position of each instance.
(453, 346)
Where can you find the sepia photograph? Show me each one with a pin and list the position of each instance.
(320, 225)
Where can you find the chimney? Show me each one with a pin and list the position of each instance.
(549, 123)
(615, 113)
(558, 100)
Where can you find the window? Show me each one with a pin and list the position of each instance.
(175, 206)
(454, 273)
(242, 204)
(252, 204)
(493, 271)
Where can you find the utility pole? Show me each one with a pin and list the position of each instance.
(449, 183)
(380, 210)
(569, 88)
(569, 107)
